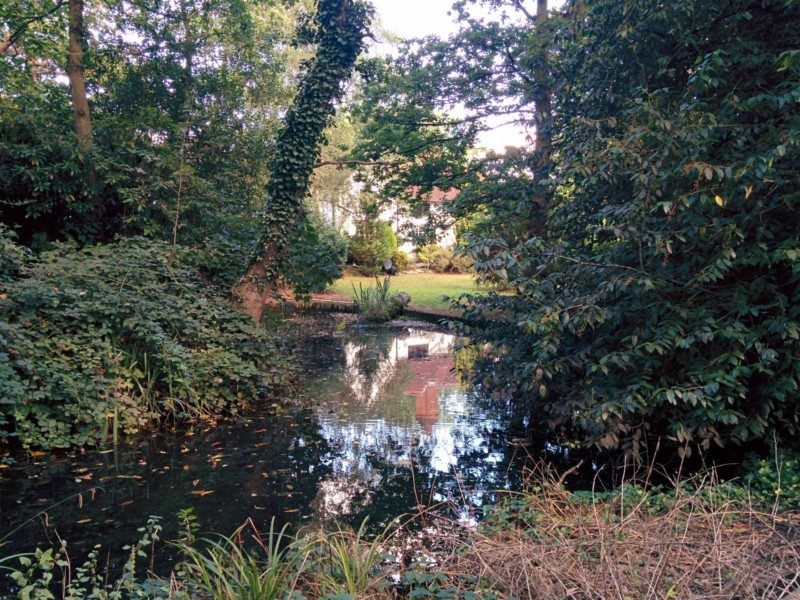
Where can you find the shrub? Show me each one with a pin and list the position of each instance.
(373, 243)
(443, 260)
(775, 479)
(125, 330)
(12, 256)
(661, 299)
(316, 256)
(400, 260)
(429, 254)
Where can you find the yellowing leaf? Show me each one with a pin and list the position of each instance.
(719, 200)
(747, 191)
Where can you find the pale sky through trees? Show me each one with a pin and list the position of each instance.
(418, 18)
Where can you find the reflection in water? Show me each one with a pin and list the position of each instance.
(400, 405)
(388, 426)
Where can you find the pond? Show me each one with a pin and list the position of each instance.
(379, 425)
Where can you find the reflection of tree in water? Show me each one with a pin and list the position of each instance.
(377, 415)
(391, 414)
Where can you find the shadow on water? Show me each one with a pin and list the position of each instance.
(381, 425)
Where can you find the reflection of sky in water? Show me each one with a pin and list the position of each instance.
(385, 425)
(396, 406)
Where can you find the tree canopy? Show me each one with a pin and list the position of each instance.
(647, 238)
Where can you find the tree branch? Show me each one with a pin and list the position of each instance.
(521, 7)
(359, 163)
(11, 36)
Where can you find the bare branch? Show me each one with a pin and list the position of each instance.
(521, 7)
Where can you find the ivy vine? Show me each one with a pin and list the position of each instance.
(339, 28)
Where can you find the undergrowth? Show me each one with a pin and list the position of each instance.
(698, 540)
(114, 338)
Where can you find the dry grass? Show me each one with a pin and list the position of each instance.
(699, 546)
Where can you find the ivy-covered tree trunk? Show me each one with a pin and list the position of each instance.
(339, 30)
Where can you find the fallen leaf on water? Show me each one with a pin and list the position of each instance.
(195, 482)
(201, 492)
(292, 510)
(82, 521)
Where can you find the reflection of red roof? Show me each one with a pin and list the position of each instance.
(436, 195)
(429, 376)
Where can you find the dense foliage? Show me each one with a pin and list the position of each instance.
(649, 238)
(664, 295)
(185, 102)
(101, 333)
(118, 336)
(373, 243)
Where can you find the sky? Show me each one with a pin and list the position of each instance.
(418, 18)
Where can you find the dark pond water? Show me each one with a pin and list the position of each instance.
(380, 424)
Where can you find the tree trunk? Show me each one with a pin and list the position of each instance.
(77, 81)
(5, 43)
(543, 147)
(543, 101)
(343, 24)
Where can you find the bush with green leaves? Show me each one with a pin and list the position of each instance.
(400, 260)
(373, 243)
(441, 259)
(662, 298)
(317, 253)
(775, 479)
(12, 256)
(121, 336)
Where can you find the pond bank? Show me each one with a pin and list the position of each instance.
(546, 543)
(380, 426)
(377, 424)
(330, 303)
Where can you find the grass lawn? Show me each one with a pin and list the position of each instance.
(425, 289)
